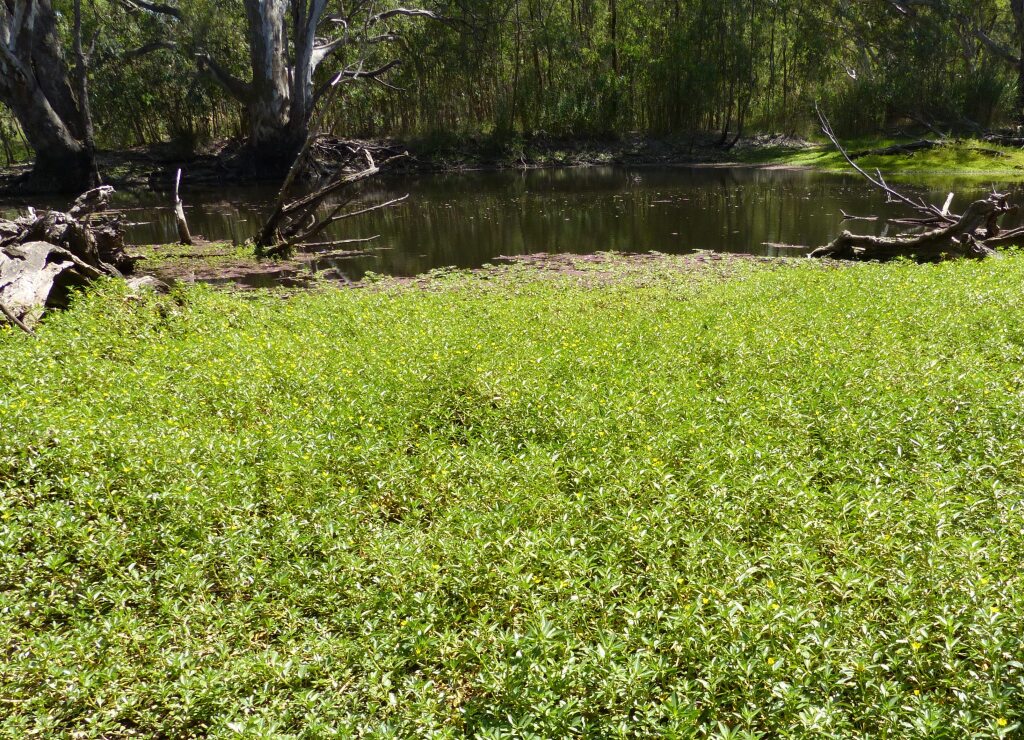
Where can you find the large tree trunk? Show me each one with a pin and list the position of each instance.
(62, 163)
(272, 135)
(280, 98)
(35, 84)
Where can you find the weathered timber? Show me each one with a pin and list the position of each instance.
(46, 254)
(943, 235)
(967, 237)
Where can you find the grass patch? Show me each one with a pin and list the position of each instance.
(963, 158)
(783, 504)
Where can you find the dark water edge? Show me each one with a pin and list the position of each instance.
(469, 219)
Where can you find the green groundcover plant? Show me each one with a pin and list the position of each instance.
(784, 504)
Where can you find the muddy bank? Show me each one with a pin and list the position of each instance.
(225, 266)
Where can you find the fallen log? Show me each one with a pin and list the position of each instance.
(967, 237)
(45, 255)
(941, 235)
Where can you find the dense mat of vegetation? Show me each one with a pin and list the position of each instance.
(783, 504)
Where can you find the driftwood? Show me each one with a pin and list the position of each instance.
(942, 234)
(43, 255)
(184, 235)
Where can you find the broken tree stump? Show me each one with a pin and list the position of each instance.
(184, 235)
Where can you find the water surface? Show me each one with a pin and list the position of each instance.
(467, 220)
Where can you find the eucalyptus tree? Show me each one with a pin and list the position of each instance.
(290, 45)
(48, 100)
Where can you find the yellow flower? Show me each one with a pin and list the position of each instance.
(1001, 721)
(915, 645)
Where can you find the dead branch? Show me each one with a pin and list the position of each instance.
(15, 320)
(975, 234)
(184, 235)
(293, 222)
(878, 181)
(339, 242)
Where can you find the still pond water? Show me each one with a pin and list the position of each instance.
(466, 220)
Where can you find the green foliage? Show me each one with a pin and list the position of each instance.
(12, 144)
(967, 158)
(785, 504)
(562, 68)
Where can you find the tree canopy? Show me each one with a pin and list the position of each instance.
(190, 71)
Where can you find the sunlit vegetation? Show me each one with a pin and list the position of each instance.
(782, 504)
(956, 157)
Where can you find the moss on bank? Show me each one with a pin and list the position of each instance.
(786, 503)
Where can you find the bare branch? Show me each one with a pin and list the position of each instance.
(877, 180)
(358, 74)
(350, 75)
(408, 12)
(147, 49)
(995, 47)
(12, 317)
(370, 209)
(337, 215)
(320, 53)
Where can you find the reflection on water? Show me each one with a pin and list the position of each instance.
(467, 220)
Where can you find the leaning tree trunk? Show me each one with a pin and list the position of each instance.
(35, 84)
(62, 163)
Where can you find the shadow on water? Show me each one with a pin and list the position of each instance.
(469, 219)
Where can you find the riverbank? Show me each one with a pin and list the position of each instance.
(783, 503)
(960, 158)
(219, 164)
